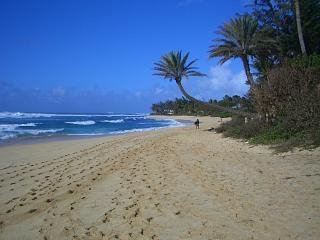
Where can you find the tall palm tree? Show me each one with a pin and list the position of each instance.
(174, 66)
(299, 27)
(241, 38)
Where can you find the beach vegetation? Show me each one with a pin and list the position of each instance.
(182, 106)
(278, 42)
(289, 96)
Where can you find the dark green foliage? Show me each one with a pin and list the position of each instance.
(276, 134)
(312, 62)
(310, 15)
(277, 17)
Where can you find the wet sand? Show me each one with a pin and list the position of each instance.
(174, 183)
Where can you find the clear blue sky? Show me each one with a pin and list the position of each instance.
(97, 55)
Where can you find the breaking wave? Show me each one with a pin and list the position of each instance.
(13, 126)
(90, 122)
(7, 134)
(113, 121)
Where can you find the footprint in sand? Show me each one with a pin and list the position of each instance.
(32, 210)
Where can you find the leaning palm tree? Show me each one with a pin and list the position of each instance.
(241, 38)
(174, 66)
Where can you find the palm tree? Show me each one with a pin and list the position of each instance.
(173, 66)
(241, 38)
(299, 27)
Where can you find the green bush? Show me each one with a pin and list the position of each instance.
(276, 134)
(312, 62)
(290, 95)
(221, 114)
(237, 128)
(258, 132)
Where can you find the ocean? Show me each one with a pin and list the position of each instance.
(23, 126)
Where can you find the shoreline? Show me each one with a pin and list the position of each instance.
(177, 183)
(55, 138)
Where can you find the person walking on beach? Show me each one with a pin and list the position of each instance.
(197, 123)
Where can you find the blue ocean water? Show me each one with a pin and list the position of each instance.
(17, 125)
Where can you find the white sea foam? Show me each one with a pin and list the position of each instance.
(4, 135)
(7, 136)
(8, 127)
(28, 124)
(173, 124)
(82, 122)
(23, 115)
(113, 121)
(12, 127)
(136, 130)
(39, 131)
(135, 118)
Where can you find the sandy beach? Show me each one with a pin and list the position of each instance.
(175, 183)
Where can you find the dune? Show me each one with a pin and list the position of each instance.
(177, 183)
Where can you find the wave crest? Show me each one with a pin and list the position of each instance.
(113, 121)
(4, 135)
(13, 126)
(90, 122)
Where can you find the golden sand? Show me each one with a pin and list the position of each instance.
(174, 183)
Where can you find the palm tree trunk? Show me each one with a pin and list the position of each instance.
(246, 66)
(299, 27)
(213, 105)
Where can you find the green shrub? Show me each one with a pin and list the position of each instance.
(312, 62)
(237, 128)
(221, 114)
(276, 134)
(290, 95)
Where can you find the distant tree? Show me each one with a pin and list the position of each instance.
(182, 106)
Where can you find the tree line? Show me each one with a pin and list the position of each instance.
(182, 106)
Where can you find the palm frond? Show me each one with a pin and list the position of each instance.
(241, 36)
(174, 65)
